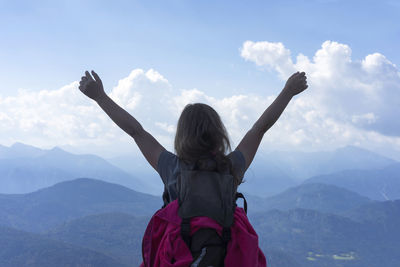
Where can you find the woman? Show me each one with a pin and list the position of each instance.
(200, 136)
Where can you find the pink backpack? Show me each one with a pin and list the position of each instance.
(163, 245)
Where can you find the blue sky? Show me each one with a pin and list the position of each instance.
(47, 45)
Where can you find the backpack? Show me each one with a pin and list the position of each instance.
(204, 226)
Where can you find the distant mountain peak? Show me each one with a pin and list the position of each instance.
(22, 145)
(316, 196)
(59, 153)
(16, 144)
(56, 149)
(20, 150)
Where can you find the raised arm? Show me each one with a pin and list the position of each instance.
(147, 144)
(250, 142)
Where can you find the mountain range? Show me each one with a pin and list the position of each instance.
(314, 238)
(320, 197)
(25, 169)
(273, 172)
(19, 248)
(46, 208)
(347, 216)
(296, 228)
(378, 184)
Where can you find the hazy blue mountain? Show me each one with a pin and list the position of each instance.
(264, 179)
(279, 257)
(18, 248)
(254, 203)
(303, 165)
(19, 150)
(49, 207)
(111, 219)
(318, 239)
(320, 197)
(117, 235)
(273, 172)
(134, 164)
(138, 166)
(385, 215)
(381, 184)
(25, 169)
(306, 233)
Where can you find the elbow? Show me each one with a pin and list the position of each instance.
(136, 132)
(260, 130)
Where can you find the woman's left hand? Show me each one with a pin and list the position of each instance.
(296, 83)
(92, 88)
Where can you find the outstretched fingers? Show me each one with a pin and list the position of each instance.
(91, 87)
(96, 77)
(88, 76)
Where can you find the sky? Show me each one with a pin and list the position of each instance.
(154, 57)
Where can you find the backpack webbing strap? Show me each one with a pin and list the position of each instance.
(240, 195)
(226, 235)
(185, 231)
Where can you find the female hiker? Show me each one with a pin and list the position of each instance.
(202, 157)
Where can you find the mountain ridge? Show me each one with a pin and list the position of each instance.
(41, 210)
(380, 184)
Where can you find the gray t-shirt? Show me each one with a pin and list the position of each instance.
(168, 167)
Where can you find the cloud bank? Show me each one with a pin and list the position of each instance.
(364, 93)
(348, 102)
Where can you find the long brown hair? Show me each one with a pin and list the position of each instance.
(200, 134)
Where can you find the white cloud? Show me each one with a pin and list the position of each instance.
(348, 102)
(377, 64)
(274, 55)
(364, 93)
(368, 118)
(166, 127)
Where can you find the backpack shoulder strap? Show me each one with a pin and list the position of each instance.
(240, 195)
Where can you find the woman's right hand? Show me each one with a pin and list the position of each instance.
(296, 83)
(92, 88)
